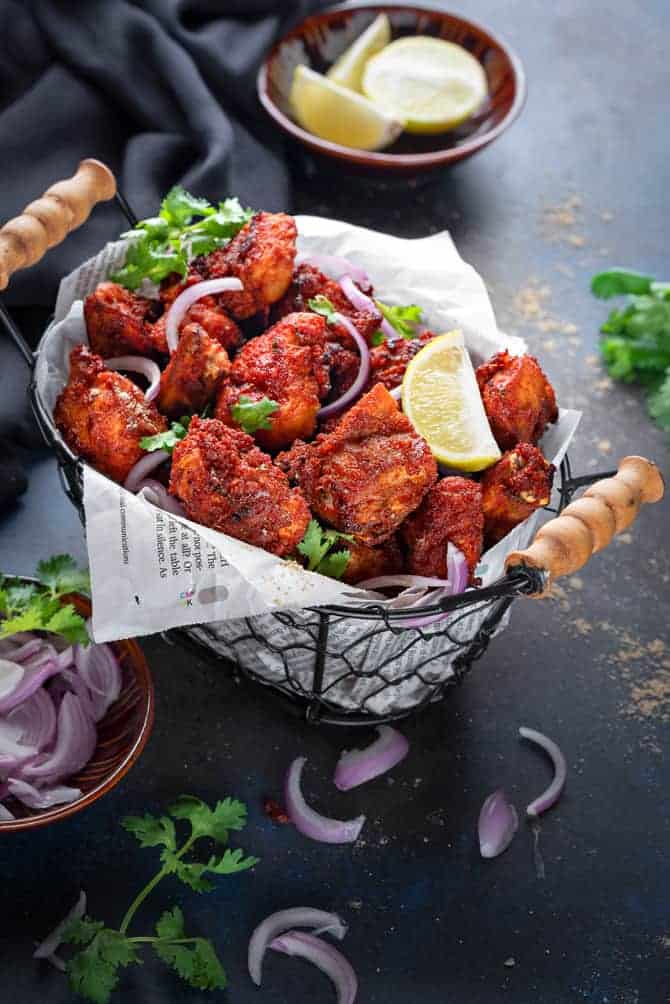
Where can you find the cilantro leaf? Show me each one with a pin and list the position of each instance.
(659, 403)
(197, 964)
(403, 319)
(171, 924)
(152, 831)
(167, 440)
(322, 305)
(205, 822)
(61, 576)
(149, 260)
(189, 872)
(230, 862)
(93, 972)
(377, 338)
(315, 546)
(67, 622)
(179, 206)
(253, 415)
(16, 596)
(618, 281)
(81, 931)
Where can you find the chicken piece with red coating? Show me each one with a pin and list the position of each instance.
(367, 562)
(451, 512)
(224, 481)
(514, 488)
(368, 474)
(286, 365)
(103, 415)
(389, 360)
(261, 256)
(518, 398)
(192, 377)
(118, 322)
(307, 283)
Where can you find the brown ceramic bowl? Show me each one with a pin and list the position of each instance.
(320, 39)
(122, 735)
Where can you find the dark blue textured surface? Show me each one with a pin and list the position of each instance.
(429, 920)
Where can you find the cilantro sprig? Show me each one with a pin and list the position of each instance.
(167, 440)
(636, 342)
(320, 304)
(164, 244)
(38, 607)
(317, 546)
(252, 415)
(94, 971)
(403, 319)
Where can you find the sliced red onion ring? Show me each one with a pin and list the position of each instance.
(457, 570)
(47, 947)
(498, 822)
(139, 364)
(551, 795)
(358, 766)
(188, 297)
(32, 678)
(335, 267)
(361, 377)
(5, 815)
(75, 742)
(283, 920)
(411, 581)
(158, 495)
(362, 302)
(27, 650)
(99, 668)
(396, 393)
(11, 674)
(45, 798)
(36, 720)
(327, 958)
(144, 467)
(311, 823)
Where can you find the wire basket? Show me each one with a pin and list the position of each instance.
(350, 664)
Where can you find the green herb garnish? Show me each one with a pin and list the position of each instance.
(164, 244)
(636, 342)
(252, 415)
(317, 546)
(402, 319)
(94, 971)
(322, 305)
(38, 607)
(167, 440)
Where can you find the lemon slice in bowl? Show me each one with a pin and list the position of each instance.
(337, 114)
(441, 398)
(348, 69)
(430, 84)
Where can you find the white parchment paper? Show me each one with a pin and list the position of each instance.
(152, 571)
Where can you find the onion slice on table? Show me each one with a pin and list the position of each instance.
(47, 947)
(284, 920)
(144, 466)
(323, 955)
(361, 377)
(335, 267)
(358, 766)
(158, 495)
(189, 296)
(363, 302)
(498, 822)
(139, 364)
(311, 823)
(551, 795)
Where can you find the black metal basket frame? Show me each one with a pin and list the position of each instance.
(315, 702)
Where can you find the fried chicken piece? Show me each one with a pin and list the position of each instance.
(514, 488)
(309, 282)
(261, 256)
(369, 473)
(367, 562)
(451, 512)
(224, 481)
(102, 415)
(286, 365)
(207, 312)
(118, 322)
(518, 398)
(192, 377)
(389, 360)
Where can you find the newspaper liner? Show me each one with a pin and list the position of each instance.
(151, 571)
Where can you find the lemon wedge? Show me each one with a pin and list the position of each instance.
(337, 114)
(430, 84)
(441, 398)
(347, 71)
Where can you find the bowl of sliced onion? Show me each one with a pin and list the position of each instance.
(74, 717)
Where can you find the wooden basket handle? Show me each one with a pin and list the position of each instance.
(587, 525)
(48, 220)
